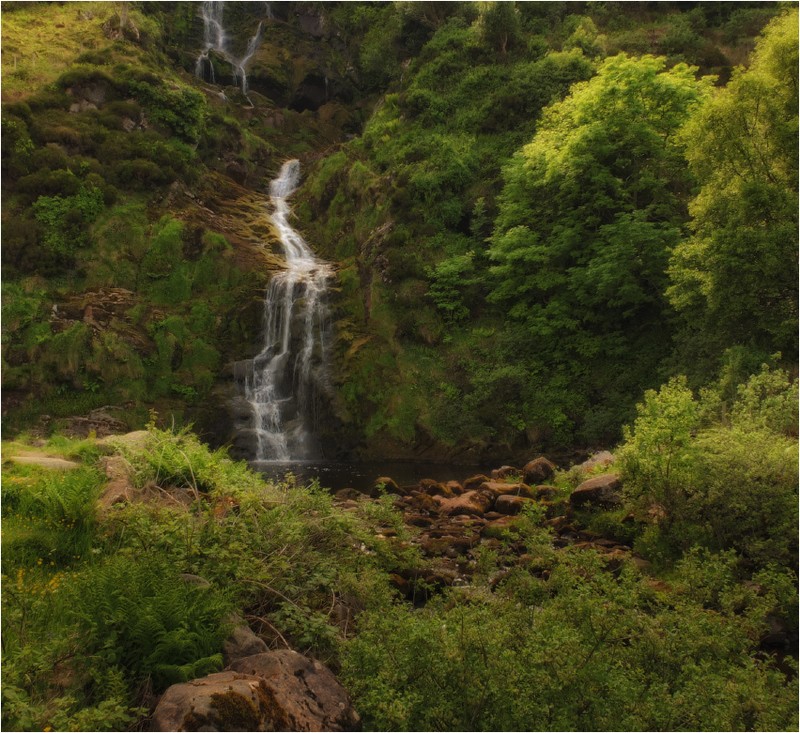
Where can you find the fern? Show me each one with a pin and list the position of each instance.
(144, 618)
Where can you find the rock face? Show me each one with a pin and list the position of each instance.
(538, 471)
(273, 691)
(601, 490)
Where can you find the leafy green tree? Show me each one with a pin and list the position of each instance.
(735, 277)
(499, 24)
(588, 214)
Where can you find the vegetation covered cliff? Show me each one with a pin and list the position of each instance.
(536, 212)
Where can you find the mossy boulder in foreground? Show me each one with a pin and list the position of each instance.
(280, 690)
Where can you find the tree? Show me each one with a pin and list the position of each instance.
(736, 275)
(589, 212)
(499, 23)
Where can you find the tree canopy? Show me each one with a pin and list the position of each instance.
(589, 212)
(737, 272)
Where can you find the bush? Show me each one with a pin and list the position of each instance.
(728, 484)
(578, 651)
(65, 219)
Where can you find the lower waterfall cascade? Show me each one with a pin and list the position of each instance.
(283, 383)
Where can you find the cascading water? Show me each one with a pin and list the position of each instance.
(215, 39)
(284, 383)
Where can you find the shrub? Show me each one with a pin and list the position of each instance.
(582, 651)
(65, 219)
(725, 485)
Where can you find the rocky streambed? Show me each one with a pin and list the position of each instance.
(453, 522)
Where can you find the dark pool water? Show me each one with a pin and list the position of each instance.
(361, 476)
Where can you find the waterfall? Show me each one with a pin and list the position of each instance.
(284, 382)
(215, 39)
(252, 45)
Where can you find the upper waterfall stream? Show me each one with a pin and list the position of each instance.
(284, 382)
(216, 39)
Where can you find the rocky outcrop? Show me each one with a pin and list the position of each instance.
(99, 422)
(603, 490)
(273, 691)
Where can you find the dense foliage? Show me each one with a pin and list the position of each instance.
(512, 263)
(555, 227)
(98, 609)
(735, 277)
(106, 604)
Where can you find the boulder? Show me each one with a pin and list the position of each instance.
(134, 440)
(545, 492)
(273, 691)
(455, 487)
(304, 693)
(348, 495)
(601, 490)
(504, 472)
(221, 701)
(499, 488)
(474, 482)
(424, 502)
(603, 458)
(242, 642)
(498, 528)
(389, 485)
(432, 546)
(538, 471)
(434, 488)
(510, 504)
(471, 502)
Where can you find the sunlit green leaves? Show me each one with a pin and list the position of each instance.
(737, 273)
